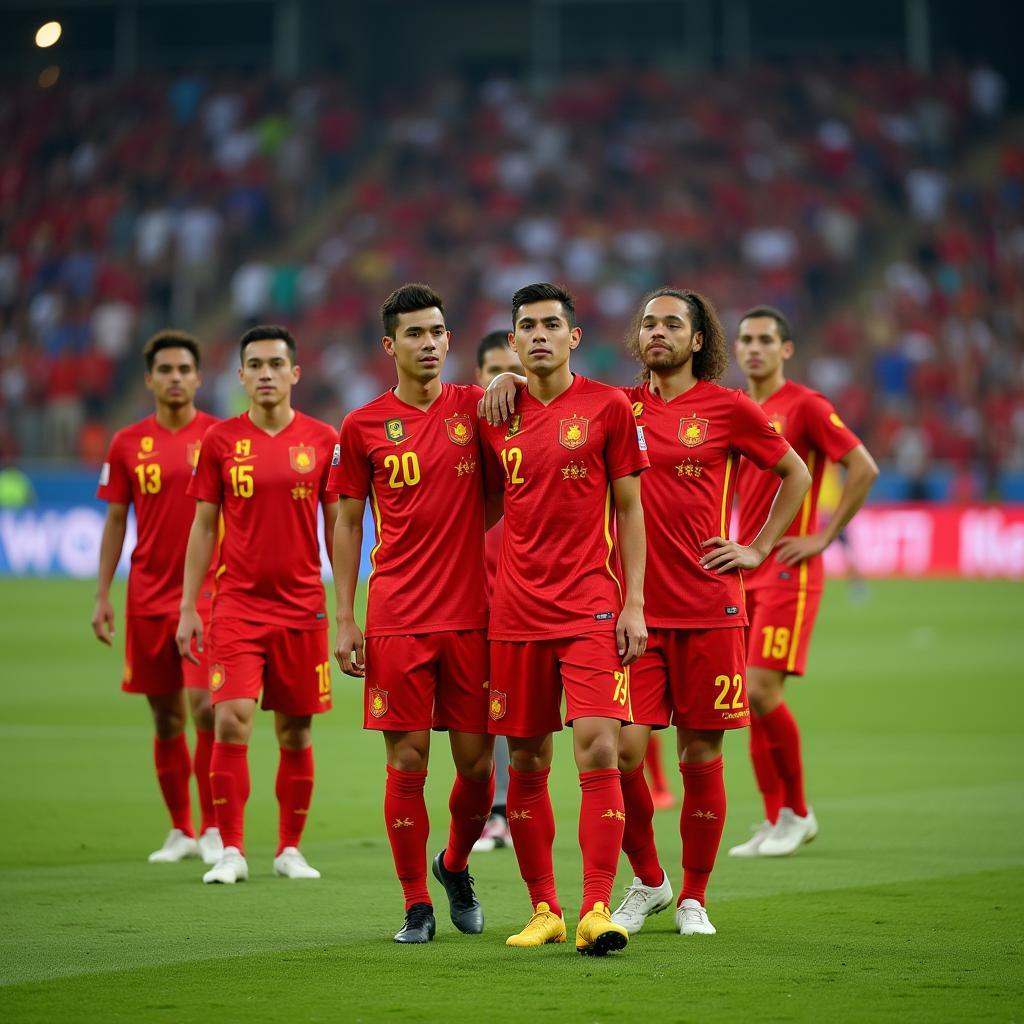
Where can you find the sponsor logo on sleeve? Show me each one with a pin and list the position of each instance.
(192, 453)
(105, 474)
(336, 457)
(640, 439)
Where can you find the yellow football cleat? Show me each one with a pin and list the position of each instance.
(597, 934)
(542, 928)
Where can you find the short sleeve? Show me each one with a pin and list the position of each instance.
(351, 471)
(206, 483)
(327, 496)
(625, 451)
(494, 475)
(827, 430)
(753, 435)
(115, 484)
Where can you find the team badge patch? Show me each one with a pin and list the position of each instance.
(192, 453)
(836, 421)
(460, 428)
(394, 430)
(693, 430)
(638, 409)
(572, 433)
(302, 458)
(378, 702)
(497, 707)
(217, 677)
(514, 426)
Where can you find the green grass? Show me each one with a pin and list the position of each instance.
(909, 905)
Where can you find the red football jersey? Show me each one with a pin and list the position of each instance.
(694, 443)
(558, 570)
(810, 424)
(422, 474)
(150, 467)
(268, 488)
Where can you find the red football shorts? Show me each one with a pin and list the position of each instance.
(290, 666)
(427, 681)
(152, 664)
(528, 677)
(781, 624)
(693, 678)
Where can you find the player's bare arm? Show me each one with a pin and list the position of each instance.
(861, 473)
(202, 539)
(499, 401)
(348, 546)
(726, 555)
(630, 629)
(494, 509)
(111, 545)
(330, 519)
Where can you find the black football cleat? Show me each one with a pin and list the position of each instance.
(419, 924)
(466, 912)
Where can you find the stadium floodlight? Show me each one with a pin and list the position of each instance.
(48, 34)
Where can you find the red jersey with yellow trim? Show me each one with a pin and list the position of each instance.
(694, 443)
(268, 488)
(150, 467)
(558, 572)
(421, 471)
(811, 425)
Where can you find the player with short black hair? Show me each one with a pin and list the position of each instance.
(148, 466)
(563, 615)
(783, 594)
(260, 478)
(414, 453)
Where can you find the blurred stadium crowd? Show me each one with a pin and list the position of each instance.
(883, 211)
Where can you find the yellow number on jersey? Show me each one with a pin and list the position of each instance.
(405, 471)
(149, 477)
(512, 460)
(242, 482)
(724, 683)
(776, 642)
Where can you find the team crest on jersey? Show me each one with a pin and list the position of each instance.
(572, 433)
(497, 706)
(460, 428)
(217, 677)
(778, 422)
(693, 430)
(394, 430)
(378, 702)
(514, 426)
(302, 458)
(192, 453)
(638, 409)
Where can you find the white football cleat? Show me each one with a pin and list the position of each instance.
(289, 863)
(231, 868)
(692, 919)
(211, 846)
(640, 902)
(789, 833)
(495, 836)
(752, 847)
(177, 846)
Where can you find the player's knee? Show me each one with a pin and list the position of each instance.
(230, 727)
(699, 747)
(632, 750)
(528, 761)
(598, 752)
(169, 722)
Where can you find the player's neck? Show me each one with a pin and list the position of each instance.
(272, 419)
(174, 417)
(419, 394)
(547, 389)
(673, 383)
(762, 390)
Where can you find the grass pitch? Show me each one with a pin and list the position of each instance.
(910, 904)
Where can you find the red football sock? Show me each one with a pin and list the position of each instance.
(405, 813)
(201, 767)
(638, 834)
(173, 769)
(229, 783)
(701, 824)
(294, 791)
(769, 782)
(784, 739)
(533, 834)
(602, 820)
(652, 761)
(470, 804)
